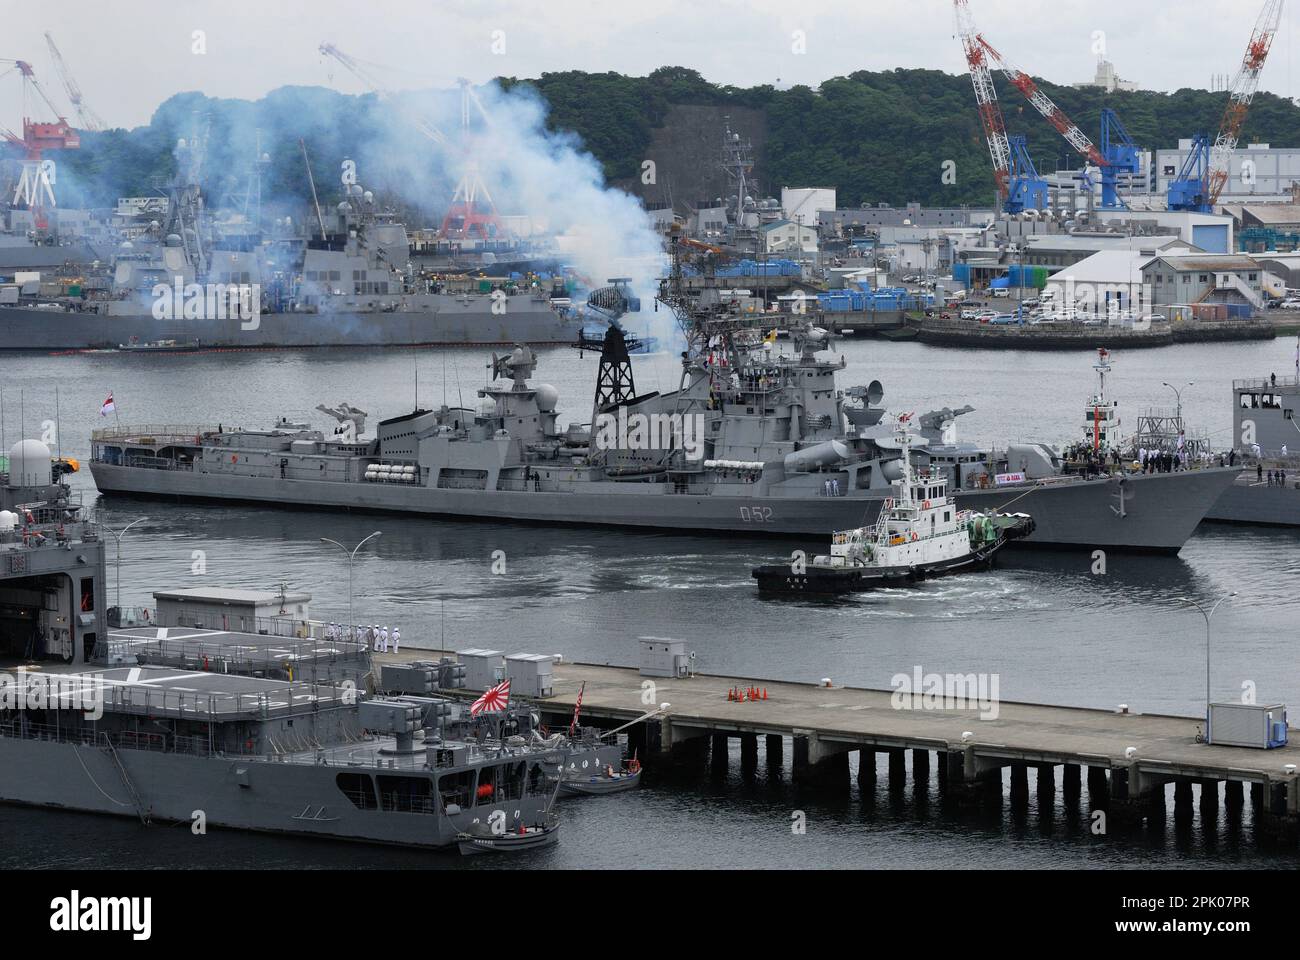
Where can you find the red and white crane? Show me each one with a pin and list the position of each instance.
(986, 96)
(1045, 106)
(472, 213)
(35, 189)
(89, 119)
(1243, 90)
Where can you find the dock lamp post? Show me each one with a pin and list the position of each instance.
(117, 566)
(1207, 614)
(351, 555)
(1178, 396)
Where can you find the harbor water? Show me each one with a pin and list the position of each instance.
(1055, 627)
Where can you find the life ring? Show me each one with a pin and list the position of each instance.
(926, 504)
(915, 537)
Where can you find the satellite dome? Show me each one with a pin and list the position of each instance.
(29, 464)
(181, 144)
(127, 245)
(368, 197)
(547, 397)
(344, 207)
(173, 240)
(8, 520)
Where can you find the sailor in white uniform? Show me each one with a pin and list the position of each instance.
(397, 638)
(383, 636)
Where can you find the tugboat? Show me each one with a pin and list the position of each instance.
(919, 534)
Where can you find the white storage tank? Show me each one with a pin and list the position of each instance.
(1262, 726)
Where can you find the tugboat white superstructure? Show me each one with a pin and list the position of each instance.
(919, 533)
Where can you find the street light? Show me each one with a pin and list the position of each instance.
(118, 564)
(351, 555)
(1207, 616)
(1178, 394)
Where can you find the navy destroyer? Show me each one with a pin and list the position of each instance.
(350, 281)
(755, 440)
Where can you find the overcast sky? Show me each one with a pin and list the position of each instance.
(129, 55)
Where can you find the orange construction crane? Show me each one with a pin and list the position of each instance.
(35, 189)
(1244, 87)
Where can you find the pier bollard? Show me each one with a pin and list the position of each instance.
(1071, 782)
(775, 750)
(921, 766)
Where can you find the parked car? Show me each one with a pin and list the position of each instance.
(1006, 319)
(1002, 294)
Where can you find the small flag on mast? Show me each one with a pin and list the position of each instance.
(493, 701)
(108, 406)
(577, 709)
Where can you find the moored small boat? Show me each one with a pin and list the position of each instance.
(481, 839)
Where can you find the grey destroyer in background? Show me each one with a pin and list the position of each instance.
(754, 440)
(350, 282)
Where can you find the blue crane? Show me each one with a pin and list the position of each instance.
(1190, 190)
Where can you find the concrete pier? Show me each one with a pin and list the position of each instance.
(1131, 757)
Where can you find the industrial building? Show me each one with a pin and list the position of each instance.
(1257, 170)
(1233, 279)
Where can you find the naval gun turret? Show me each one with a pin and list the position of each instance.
(352, 421)
(940, 426)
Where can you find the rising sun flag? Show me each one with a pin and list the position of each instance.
(493, 701)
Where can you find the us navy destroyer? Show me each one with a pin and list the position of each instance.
(350, 282)
(754, 440)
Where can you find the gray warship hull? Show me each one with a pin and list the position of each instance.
(233, 793)
(450, 321)
(1251, 502)
(1148, 512)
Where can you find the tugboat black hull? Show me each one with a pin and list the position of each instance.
(778, 579)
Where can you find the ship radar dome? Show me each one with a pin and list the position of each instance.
(547, 397)
(29, 464)
(8, 521)
(173, 240)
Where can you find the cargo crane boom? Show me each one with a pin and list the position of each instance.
(89, 119)
(357, 70)
(986, 96)
(1244, 87)
(1044, 105)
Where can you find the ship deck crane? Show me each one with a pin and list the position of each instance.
(89, 119)
(1243, 90)
(35, 188)
(472, 212)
